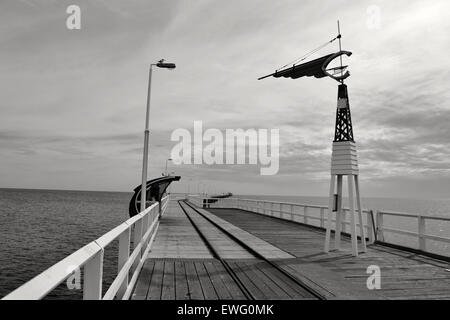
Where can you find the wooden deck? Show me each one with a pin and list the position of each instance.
(221, 243)
(338, 275)
(207, 279)
(177, 238)
(185, 265)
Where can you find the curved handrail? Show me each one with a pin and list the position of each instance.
(91, 258)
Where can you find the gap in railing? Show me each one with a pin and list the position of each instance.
(432, 227)
(110, 259)
(110, 272)
(435, 227)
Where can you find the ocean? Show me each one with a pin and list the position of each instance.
(40, 227)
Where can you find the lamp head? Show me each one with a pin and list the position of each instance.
(165, 65)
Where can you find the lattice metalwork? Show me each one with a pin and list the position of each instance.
(344, 127)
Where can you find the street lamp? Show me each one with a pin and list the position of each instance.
(165, 171)
(164, 65)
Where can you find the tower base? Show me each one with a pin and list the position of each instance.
(344, 162)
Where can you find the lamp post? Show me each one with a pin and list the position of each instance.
(164, 65)
(165, 171)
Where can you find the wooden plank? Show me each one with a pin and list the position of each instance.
(344, 172)
(291, 288)
(181, 285)
(226, 247)
(259, 283)
(267, 283)
(168, 288)
(195, 288)
(214, 275)
(344, 166)
(154, 292)
(247, 282)
(177, 238)
(342, 152)
(207, 286)
(234, 290)
(143, 283)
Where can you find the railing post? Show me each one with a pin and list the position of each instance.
(370, 227)
(322, 217)
(421, 229)
(124, 254)
(380, 235)
(93, 276)
(160, 206)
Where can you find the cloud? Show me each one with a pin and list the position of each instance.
(75, 101)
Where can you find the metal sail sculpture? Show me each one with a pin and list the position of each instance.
(344, 160)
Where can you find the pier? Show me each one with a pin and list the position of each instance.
(192, 248)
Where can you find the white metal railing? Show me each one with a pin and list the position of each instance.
(421, 233)
(374, 223)
(141, 228)
(297, 212)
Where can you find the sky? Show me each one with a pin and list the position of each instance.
(73, 101)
